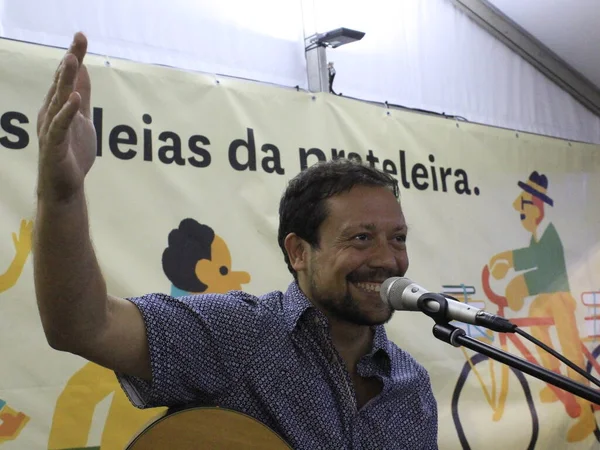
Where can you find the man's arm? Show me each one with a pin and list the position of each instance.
(77, 314)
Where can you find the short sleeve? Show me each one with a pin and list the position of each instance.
(525, 258)
(198, 345)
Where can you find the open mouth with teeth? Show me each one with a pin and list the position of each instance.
(368, 286)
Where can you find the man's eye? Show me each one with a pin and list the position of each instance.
(401, 238)
(361, 237)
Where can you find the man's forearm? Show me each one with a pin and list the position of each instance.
(70, 289)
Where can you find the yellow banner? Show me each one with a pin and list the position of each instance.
(499, 219)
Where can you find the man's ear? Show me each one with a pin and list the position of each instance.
(297, 250)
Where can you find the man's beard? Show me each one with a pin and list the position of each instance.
(347, 308)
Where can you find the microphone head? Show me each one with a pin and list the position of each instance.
(392, 288)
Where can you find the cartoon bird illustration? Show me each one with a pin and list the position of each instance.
(198, 261)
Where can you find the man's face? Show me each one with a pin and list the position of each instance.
(362, 243)
(528, 211)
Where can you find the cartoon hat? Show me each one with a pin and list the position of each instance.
(537, 185)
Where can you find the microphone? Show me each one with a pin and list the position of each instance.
(404, 295)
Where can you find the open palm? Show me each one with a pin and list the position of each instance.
(66, 133)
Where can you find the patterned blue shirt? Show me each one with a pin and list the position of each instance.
(272, 357)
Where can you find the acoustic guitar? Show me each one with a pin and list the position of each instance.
(209, 428)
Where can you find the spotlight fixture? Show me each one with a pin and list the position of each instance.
(334, 38)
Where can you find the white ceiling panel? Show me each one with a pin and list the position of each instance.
(570, 28)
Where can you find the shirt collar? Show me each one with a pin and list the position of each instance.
(380, 340)
(296, 304)
(541, 228)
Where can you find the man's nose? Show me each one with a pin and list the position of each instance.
(384, 256)
(518, 203)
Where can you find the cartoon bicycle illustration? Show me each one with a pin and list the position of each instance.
(511, 388)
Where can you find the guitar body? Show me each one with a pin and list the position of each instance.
(207, 428)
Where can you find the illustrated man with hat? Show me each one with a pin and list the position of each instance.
(544, 276)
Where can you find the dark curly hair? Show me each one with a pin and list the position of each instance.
(188, 244)
(303, 209)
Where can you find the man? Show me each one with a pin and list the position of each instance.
(331, 72)
(313, 363)
(545, 276)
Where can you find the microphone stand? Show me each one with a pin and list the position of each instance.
(457, 337)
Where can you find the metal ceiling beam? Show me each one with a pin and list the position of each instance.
(533, 51)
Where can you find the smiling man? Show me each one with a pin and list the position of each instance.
(313, 363)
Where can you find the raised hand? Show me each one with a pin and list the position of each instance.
(66, 134)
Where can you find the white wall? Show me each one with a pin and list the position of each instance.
(428, 54)
(417, 53)
(258, 39)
